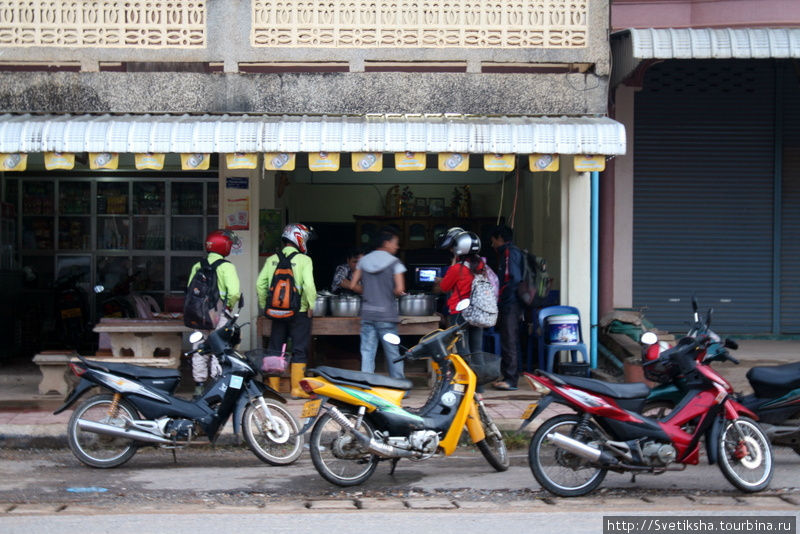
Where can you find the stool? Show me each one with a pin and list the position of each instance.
(547, 351)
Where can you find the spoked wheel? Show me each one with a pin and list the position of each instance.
(275, 436)
(745, 455)
(338, 455)
(101, 450)
(560, 471)
(492, 446)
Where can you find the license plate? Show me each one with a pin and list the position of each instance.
(70, 313)
(311, 408)
(529, 410)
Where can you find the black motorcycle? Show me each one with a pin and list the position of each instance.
(139, 407)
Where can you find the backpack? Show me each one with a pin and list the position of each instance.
(283, 298)
(202, 296)
(482, 309)
(535, 279)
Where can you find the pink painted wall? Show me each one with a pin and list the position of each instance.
(704, 13)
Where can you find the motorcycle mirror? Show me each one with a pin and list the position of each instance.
(241, 301)
(649, 338)
(731, 344)
(708, 316)
(695, 306)
(99, 288)
(462, 305)
(195, 337)
(392, 339)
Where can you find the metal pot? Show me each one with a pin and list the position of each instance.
(345, 306)
(321, 305)
(417, 305)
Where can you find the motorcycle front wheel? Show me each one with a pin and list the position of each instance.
(276, 440)
(492, 446)
(745, 455)
(338, 455)
(558, 470)
(101, 450)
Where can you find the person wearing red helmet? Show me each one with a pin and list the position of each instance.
(218, 246)
(295, 238)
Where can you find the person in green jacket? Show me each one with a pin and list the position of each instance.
(295, 239)
(218, 246)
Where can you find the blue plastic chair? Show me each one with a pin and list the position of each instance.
(547, 351)
(491, 340)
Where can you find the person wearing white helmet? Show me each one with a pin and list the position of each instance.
(295, 238)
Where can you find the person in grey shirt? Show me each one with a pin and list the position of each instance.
(382, 280)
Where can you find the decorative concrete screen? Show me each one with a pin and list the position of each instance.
(103, 24)
(420, 23)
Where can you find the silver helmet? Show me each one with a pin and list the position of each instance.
(466, 243)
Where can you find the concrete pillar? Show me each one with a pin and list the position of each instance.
(623, 204)
(576, 241)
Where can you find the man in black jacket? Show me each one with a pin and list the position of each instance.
(509, 272)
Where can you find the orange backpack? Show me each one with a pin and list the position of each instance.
(283, 299)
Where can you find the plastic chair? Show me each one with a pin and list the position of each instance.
(547, 351)
(491, 340)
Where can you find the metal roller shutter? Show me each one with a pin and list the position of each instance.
(790, 204)
(703, 193)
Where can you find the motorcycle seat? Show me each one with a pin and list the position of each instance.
(637, 390)
(134, 371)
(344, 376)
(774, 380)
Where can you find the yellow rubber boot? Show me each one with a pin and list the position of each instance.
(274, 382)
(298, 373)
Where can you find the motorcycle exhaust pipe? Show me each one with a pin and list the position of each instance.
(110, 430)
(372, 445)
(581, 449)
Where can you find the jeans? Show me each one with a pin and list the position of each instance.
(473, 337)
(371, 332)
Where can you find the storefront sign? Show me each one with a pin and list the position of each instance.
(367, 161)
(59, 161)
(451, 161)
(590, 163)
(543, 162)
(241, 160)
(499, 162)
(195, 162)
(323, 161)
(13, 162)
(103, 160)
(409, 161)
(237, 203)
(279, 161)
(149, 161)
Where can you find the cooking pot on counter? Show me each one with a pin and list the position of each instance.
(417, 305)
(345, 305)
(321, 305)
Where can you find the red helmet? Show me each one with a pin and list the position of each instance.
(221, 242)
(299, 235)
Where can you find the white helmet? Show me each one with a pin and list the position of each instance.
(299, 235)
(447, 239)
(466, 243)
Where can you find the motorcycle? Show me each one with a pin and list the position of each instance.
(358, 420)
(570, 454)
(139, 407)
(776, 397)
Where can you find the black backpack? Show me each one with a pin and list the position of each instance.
(202, 296)
(283, 299)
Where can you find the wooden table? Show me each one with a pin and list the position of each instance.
(143, 337)
(351, 326)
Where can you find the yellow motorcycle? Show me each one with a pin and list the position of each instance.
(358, 419)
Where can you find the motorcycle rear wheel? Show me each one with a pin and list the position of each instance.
(753, 471)
(557, 470)
(337, 455)
(493, 447)
(278, 445)
(100, 450)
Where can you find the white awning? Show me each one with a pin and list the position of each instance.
(371, 133)
(631, 46)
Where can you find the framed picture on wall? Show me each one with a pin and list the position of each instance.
(436, 207)
(420, 207)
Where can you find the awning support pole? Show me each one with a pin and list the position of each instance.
(595, 237)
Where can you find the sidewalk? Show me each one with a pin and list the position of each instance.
(26, 418)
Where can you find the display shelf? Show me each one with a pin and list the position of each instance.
(112, 198)
(148, 232)
(187, 199)
(74, 233)
(74, 198)
(37, 198)
(148, 198)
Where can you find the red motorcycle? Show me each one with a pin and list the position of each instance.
(570, 454)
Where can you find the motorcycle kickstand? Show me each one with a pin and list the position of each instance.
(174, 457)
(394, 465)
